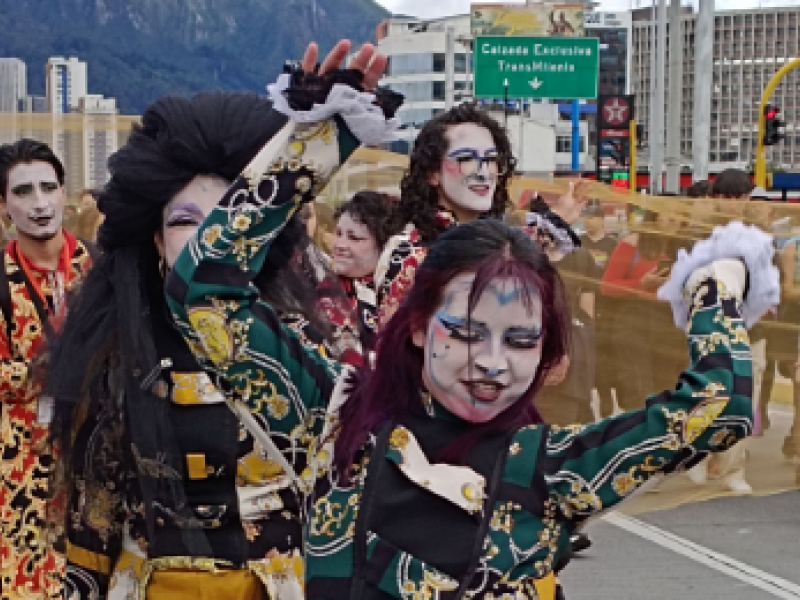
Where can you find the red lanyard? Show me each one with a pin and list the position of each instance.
(63, 268)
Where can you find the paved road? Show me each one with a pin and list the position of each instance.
(731, 548)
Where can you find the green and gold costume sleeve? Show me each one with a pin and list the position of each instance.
(592, 468)
(211, 292)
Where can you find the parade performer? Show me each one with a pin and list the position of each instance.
(39, 268)
(439, 444)
(364, 226)
(459, 170)
(163, 477)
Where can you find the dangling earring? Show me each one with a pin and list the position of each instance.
(162, 267)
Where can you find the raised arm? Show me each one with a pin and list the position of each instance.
(592, 468)
(210, 289)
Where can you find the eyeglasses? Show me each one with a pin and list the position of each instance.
(469, 163)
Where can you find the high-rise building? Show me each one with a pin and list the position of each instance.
(750, 46)
(613, 30)
(99, 138)
(66, 83)
(13, 84)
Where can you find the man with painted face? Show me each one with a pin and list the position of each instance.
(459, 171)
(39, 268)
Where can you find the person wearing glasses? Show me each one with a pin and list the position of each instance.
(459, 171)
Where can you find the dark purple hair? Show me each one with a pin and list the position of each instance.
(490, 249)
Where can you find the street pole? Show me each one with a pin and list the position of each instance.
(576, 135)
(632, 153)
(449, 67)
(675, 104)
(703, 78)
(521, 139)
(505, 104)
(657, 148)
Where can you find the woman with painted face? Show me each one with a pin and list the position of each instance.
(459, 171)
(166, 492)
(364, 225)
(431, 474)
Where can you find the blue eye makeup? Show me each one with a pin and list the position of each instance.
(516, 338)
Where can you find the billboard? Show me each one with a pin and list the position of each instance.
(528, 20)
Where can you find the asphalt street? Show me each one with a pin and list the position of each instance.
(731, 548)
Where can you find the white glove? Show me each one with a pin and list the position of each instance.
(729, 272)
(734, 241)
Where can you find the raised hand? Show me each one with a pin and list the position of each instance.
(570, 206)
(367, 60)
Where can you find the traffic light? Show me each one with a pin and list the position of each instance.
(772, 125)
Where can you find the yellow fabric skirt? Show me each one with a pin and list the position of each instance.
(199, 585)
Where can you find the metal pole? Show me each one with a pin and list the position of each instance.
(449, 67)
(657, 148)
(632, 152)
(761, 152)
(675, 104)
(703, 78)
(651, 117)
(576, 135)
(505, 104)
(521, 164)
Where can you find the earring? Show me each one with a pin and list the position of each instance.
(162, 268)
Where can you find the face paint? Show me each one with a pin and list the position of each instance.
(468, 177)
(185, 212)
(355, 251)
(35, 200)
(476, 366)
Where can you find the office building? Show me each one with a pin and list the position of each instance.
(65, 83)
(13, 84)
(99, 138)
(417, 51)
(750, 46)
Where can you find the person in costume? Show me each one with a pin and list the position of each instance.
(364, 225)
(39, 269)
(439, 442)
(167, 492)
(459, 170)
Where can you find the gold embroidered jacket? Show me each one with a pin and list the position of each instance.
(506, 514)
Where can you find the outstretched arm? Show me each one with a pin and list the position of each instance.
(591, 468)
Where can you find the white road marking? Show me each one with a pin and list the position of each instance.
(778, 587)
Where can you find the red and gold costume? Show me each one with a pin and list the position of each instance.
(29, 568)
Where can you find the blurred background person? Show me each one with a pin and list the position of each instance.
(363, 226)
(638, 325)
(89, 217)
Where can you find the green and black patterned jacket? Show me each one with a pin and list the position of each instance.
(407, 527)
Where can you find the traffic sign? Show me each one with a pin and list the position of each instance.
(536, 67)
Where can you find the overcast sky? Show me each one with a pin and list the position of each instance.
(439, 8)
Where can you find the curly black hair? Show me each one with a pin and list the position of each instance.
(376, 211)
(419, 200)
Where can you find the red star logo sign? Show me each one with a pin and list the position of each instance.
(615, 111)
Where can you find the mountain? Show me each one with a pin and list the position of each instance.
(138, 50)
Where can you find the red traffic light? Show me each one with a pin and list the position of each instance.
(771, 114)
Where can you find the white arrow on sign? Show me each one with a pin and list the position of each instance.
(536, 83)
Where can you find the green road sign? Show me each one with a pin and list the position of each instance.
(536, 67)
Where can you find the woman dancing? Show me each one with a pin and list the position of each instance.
(430, 474)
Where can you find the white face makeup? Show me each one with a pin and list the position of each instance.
(355, 251)
(185, 212)
(477, 366)
(35, 200)
(468, 177)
